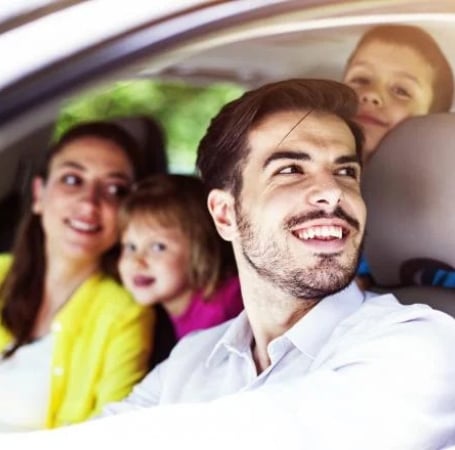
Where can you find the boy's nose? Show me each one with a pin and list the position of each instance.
(371, 96)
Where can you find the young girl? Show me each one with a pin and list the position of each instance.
(172, 256)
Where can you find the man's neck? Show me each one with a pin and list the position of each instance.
(270, 313)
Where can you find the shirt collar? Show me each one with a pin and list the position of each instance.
(309, 334)
(236, 338)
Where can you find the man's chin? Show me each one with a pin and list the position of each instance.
(327, 278)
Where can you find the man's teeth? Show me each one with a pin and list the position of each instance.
(321, 232)
(83, 226)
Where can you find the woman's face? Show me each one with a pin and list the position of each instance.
(393, 82)
(78, 202)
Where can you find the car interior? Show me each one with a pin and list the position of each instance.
(408, 187)
(409, 183)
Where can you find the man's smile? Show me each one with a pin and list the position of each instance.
(325, 232)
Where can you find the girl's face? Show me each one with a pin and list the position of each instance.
(78, 202)
(154, 264)
(393, 82)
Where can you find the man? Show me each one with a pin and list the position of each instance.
(312, 362)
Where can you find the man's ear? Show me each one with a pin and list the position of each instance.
(221, 208)
(37, 195)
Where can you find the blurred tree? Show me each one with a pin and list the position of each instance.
(183, 110)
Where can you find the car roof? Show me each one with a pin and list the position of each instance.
(59, 49)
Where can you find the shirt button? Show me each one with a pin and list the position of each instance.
(56, 327)
(58, 371)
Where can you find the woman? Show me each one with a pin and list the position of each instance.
(71, 338)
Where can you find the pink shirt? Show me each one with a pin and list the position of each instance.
(224, 304)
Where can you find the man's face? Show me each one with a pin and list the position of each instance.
(393, 82)
(300, 216)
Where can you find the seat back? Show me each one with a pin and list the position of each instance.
(409, 188)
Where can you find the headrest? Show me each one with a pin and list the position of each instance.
(150, 136)
(409, 189)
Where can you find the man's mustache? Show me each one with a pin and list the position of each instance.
(338, 213)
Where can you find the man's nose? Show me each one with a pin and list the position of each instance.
(325, 193)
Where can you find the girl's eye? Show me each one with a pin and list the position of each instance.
(158, 247)
(71, 180)
(351, 172)
(289, 170)
(128, 247)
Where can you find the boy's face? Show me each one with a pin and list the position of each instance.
(154, 264)
(393, 82)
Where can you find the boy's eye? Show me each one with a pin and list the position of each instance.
(358, 81)
(401, 92)
(71, 180)
(158, 247)
(289, 170)
(351, 172)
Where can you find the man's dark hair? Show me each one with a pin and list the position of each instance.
(223, 151)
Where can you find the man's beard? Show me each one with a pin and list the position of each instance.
(273, 264)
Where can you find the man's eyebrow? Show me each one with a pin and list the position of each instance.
(286, 154)
(347, 159)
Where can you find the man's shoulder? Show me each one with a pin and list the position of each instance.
(382, 321)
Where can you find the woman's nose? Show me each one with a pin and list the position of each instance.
(92, 193)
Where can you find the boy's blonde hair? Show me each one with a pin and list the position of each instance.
(425, 45)
(181, 201)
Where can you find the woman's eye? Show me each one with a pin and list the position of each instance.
(289, 170)
(158, 247)
(116, 191)
(71, 180)
(350, 172)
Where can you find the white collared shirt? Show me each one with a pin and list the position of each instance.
(358, 371)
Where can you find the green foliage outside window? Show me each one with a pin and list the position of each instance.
(184, 111)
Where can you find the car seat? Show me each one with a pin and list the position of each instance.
(151, 137)
(408, 186)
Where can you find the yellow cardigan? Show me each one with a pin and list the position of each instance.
(102, 342)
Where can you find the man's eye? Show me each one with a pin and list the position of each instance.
(71, 180)
(289, 170)
(158, 247)
(117, 191)
(351, 172)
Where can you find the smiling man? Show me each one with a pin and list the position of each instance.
(312, 362)
(283, 165)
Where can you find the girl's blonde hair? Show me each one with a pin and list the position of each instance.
(181, 201)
